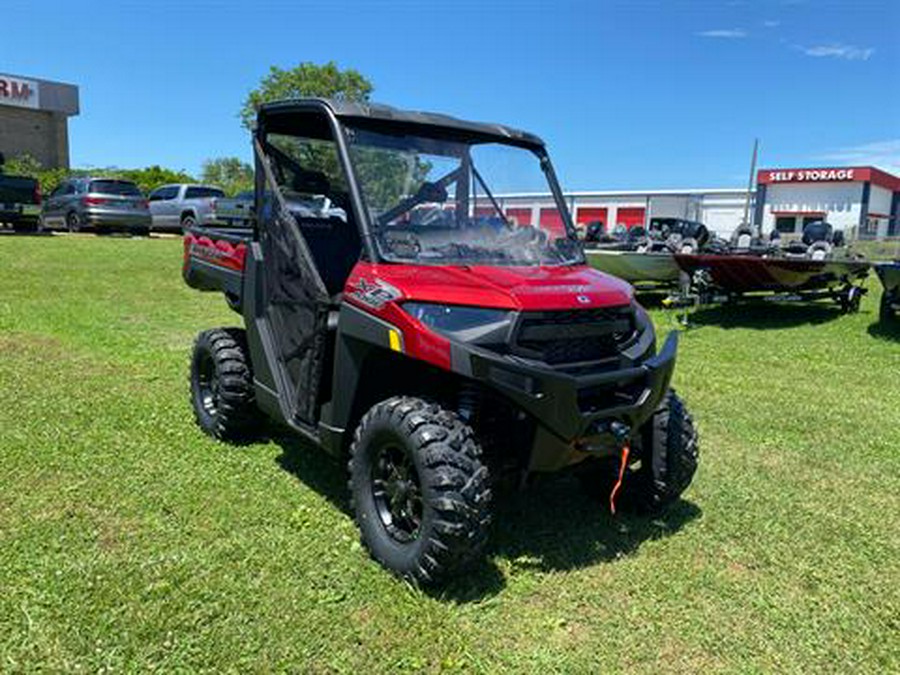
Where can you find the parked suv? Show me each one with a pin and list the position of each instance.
(104, 204)
(177, 207)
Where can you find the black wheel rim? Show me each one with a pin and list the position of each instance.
(73, 222)
(398, 493)
(208, 385)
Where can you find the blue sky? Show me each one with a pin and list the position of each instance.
(628, 95)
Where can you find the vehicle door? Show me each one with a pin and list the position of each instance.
(297, 242)
(58, 203)
(50, 207)
(164, 207)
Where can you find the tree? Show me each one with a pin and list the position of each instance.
(27, 165)
(147, 179)
(387, 176)
(229, 173)
(306, 79)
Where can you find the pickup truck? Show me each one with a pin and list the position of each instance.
(175, 208)
(20, 202)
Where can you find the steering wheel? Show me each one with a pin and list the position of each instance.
(427, 192)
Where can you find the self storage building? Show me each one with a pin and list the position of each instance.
(861, 200)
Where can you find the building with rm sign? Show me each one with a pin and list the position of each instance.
(34, 119)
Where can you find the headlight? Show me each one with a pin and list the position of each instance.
(455, 319)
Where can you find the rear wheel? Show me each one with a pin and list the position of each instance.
(187, 221)
(885, 310)
(73, 221)
(222, 385)
(665, 455)
(419, 490)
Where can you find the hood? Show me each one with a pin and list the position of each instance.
(519, 288)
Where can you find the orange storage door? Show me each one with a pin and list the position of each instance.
(522, 215)
(551, 220)
(591, 214)
(630, 217)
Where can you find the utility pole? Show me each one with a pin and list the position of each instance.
(746, 220)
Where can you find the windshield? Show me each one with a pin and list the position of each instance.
(114, 187)
(433, 200)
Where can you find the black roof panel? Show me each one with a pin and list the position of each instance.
(385, 113)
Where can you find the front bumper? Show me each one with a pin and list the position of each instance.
(579, 407)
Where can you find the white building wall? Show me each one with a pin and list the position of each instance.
(723, 213)
(880, 200)
(880, 204)
(720, 210)
(840, 202)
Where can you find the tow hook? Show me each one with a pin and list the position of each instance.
(621, 432)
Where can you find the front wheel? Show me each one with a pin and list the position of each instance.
(665, 454)
(419, 490)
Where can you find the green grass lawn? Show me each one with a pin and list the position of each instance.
(129, 541)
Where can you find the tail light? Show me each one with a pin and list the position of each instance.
(93, 201)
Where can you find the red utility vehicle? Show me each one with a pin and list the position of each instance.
(395, 315)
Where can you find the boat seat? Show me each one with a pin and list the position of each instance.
(818, 250)
(689, 245)
(744, 241)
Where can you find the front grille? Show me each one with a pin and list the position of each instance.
(574, 336)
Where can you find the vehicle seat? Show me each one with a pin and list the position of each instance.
(335, 247)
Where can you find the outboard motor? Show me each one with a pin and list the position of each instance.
(818, 230)
(694, 236)
(838, 239)
(594, 232)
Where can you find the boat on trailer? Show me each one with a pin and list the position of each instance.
(817, 267)
(648, 258)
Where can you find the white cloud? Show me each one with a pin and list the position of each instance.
(724, 33)
(883, 154)
(839, 51)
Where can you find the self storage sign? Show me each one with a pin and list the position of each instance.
(18, 92)
(809, 175)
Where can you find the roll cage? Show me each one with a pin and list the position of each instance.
(328, 120)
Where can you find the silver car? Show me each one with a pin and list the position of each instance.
(104, 204)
